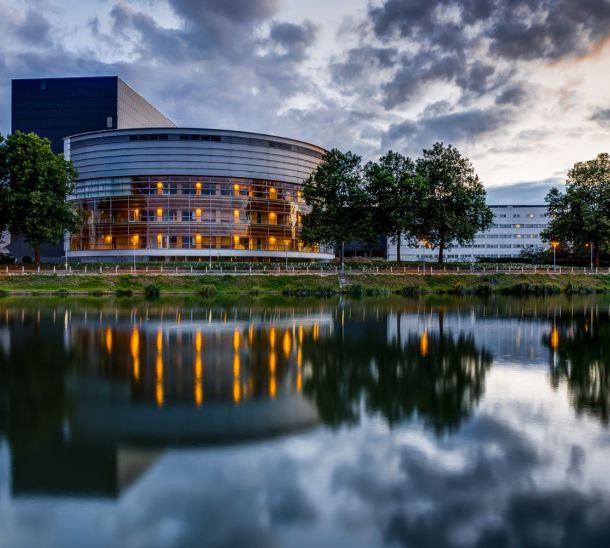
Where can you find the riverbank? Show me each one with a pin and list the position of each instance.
(303, 284)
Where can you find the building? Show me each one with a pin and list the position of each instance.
(58, 107)
(190, 194)
(515, 229)
(5, 240)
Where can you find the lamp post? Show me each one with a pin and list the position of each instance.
(554, 245)
(591, 246)
(424, 244)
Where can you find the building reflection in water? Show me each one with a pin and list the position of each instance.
(116, 384)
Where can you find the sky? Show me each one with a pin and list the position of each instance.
(521, 87)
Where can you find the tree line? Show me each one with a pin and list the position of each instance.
(436, 200)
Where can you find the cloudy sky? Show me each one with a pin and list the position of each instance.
(522, 87)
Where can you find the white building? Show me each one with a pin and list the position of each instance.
(5, 240)
(515, 228)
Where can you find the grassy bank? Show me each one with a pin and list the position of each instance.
(304, 285)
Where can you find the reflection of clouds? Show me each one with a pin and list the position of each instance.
(502, 480)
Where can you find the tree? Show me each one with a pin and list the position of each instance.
(395, 193)
(581, 216)
(454, 208)
(34, 186)
(336, 195)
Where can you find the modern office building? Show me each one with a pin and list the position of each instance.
(190, 194)
(5, 240)
(58, 107)
(515, 228)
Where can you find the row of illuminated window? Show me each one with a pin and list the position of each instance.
(519, 225)
(188, 241)
(160, 215)
(507, 236)
(517, 215)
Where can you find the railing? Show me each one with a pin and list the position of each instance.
(215, 267)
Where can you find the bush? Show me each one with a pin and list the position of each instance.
(152, 291)
(7, 259)
(26, 260)
(96, 293)
(533, 289)
(207, 290)
(480, 290)
(308, 292)
(124, 292)
(62, 293)
(256, 290)
(3, 293)
(410, 291)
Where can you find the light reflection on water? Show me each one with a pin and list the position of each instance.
(367, 422)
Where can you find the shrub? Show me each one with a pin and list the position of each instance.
(124, 292)
(308, 292)
(152, 291)
(62, 293)
(26, 259)
(481, 290)
(207, 290)
(3, 293)
(256, 290)
(410, 291)
(533, 289)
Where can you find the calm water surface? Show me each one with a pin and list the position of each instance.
(394, 422)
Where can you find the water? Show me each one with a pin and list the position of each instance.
(398, 422)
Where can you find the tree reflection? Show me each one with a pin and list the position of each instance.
(33, 393)
(436, 377)
(581, 358)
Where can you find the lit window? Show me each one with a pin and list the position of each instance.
(159, 214)
(159, 187)
(198, 214)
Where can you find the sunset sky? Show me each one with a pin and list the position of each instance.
(522, 87)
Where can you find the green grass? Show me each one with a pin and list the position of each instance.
(365, 284)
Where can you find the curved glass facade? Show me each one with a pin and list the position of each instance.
(208, 208)
(201, 213)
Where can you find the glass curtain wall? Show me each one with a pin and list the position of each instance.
(206, 213)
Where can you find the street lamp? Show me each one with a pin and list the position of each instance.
(554, 245)
(424, 243)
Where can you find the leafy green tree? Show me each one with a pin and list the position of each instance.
(338, 200)
(395, 193)
(453, 209)
(34, 185)
(581, 216)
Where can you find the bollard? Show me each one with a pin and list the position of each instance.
(250, 269)
(7, 269)
(390, 269)
(146, 269)
(404, 268)
(377, 269)
(162, 270)
(176, 270)
(458, 269)
(191, 269)
(100, 269)
(116, 269)
(23, 269)
(85, 269)
(235, 269)
(38, 268)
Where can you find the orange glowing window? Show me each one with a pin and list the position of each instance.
(198, 214)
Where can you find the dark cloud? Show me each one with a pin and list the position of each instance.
(602, 117)
(527, 193)
(360, 64)
(514, 94)
(452, 127)
(34, 29)
(463, 42)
